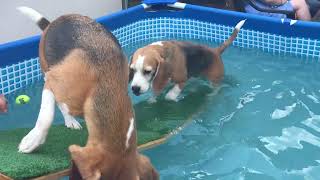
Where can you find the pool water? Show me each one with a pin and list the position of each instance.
(25, 115)
(262, 122)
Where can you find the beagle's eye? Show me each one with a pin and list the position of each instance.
(146, 71)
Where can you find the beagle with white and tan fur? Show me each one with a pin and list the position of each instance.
(156, 64)
(86, 72)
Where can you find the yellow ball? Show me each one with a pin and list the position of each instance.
(22, 99)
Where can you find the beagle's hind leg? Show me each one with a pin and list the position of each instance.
(38, 134)
(69, 120)
(71, 80)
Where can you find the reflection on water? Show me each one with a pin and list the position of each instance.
(290, 138)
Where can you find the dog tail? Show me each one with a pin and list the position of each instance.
(233, 36)
(41, 21)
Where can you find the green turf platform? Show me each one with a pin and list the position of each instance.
(154, 121)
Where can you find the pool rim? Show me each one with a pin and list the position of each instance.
(27, 48)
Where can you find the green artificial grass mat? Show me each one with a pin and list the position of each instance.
(154, 121)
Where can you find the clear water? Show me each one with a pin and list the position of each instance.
(262, 123)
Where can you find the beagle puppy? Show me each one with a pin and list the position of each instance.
(3, 104)
(86, 72)
(156, 64)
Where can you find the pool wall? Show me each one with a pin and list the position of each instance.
(19, 65)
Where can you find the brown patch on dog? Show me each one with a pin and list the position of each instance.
(177, 66)
(105, 155)
(107, 110)
(63, 79)
(215, 71)
(162, 73)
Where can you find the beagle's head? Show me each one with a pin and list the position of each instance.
(144, 68)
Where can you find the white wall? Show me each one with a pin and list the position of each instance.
(14, 25)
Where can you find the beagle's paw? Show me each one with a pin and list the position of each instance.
(152, 100)
(173, 93)
(72, 123)
(69, 120)
(32, 140)
(172, 96)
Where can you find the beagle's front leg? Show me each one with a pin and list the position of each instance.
(38, 134)
(152, 99)
(174, 92)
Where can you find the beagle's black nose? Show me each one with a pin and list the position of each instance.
(136, 90)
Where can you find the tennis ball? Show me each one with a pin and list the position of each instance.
(22, 99)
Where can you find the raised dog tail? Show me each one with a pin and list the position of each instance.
(41, 21)
(233, 36)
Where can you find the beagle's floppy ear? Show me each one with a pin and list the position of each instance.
(161, 77)
(84, 164)
(131, 73)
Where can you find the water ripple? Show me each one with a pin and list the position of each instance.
(279, 95)
(313, 121)
(314, 98)
(291, 138)
(279, 113)
(276, 82)
(292, 93)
